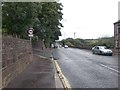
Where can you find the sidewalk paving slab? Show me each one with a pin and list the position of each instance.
(39, 74)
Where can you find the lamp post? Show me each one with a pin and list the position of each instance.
(74, 35)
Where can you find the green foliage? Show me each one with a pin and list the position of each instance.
(17, 16)
(45, 17)
(109, 42)
(50, 20)
(71, 40)
(68, 42)
(79, 42)
(89, 43)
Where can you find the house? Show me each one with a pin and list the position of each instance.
(117, 36)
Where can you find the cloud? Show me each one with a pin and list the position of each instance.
(89, 18)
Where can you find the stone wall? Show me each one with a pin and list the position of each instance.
(39, 45)
(0, 61)
(16, 56)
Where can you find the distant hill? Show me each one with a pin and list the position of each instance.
(89, 43)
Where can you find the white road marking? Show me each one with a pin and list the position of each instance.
(110, 68)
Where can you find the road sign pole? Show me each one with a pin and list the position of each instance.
(30, 38)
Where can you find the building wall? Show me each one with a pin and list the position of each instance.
(117, 37)
(16, 56)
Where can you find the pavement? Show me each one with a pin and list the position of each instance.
(41, 73)
(45, 52)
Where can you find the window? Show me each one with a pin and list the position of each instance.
(116, 43)
(119, 43)
(95, 47)
(118, 29)
(103, 47)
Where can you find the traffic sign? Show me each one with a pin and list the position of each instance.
(30, 35)
(30, 31)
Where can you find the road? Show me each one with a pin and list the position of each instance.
(86, 70)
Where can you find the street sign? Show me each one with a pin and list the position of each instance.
(30, 35)
(30, 31)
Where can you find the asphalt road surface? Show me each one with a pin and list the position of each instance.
(86, 70)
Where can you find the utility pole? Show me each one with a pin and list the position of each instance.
(74, 35)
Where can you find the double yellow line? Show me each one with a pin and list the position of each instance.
(63, 79)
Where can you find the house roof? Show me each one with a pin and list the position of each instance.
(117, 22)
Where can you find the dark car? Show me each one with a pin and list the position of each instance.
(101, 50)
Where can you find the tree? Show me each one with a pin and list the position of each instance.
(50, 18)
(89, 43)
(17, 17)
(45, 17)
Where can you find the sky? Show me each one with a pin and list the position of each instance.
(88, 19)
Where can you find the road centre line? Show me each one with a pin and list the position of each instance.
(110, 68)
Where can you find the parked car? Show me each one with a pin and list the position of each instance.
(65, 46)
(101, 50)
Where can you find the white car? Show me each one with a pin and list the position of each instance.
(101, 50)
(65, 46)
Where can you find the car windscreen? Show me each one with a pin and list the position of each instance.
(102, 47)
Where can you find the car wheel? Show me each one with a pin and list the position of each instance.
(100, 52)
(110, 54)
